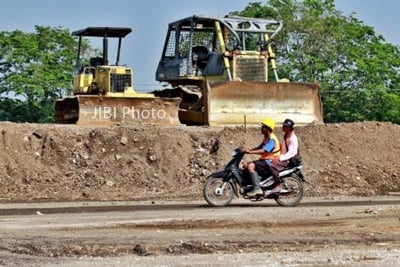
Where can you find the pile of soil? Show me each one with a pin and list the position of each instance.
(69, 162)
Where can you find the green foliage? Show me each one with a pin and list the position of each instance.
(357, 69)
(12, 109)
(35, 69)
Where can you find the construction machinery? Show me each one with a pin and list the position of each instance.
(104, 94)
(220, 68)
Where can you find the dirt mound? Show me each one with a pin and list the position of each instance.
(67, 162)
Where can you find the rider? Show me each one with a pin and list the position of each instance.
(269, 150)
(290, 151)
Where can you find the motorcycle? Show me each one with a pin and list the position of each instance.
(221, 186)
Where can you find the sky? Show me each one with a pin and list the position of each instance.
(149, 20)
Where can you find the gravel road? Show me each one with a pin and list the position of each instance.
(319, 232)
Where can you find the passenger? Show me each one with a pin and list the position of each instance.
(290, 141)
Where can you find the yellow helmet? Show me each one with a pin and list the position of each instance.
(269, 122)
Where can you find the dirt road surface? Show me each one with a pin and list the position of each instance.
(319, 232)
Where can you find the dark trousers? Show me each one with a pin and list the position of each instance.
(262, 169)
(277, 167)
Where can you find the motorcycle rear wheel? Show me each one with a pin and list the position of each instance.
(292, 192)
(218, 193)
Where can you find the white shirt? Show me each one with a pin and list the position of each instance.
(292, 147)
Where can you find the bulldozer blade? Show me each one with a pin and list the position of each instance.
(248, 103)
(102, 110)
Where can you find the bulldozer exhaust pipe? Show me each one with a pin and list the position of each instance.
(105, 49)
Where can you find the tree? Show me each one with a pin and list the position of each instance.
(35, 69)
(357, 69)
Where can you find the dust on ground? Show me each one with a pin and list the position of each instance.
(47, 162)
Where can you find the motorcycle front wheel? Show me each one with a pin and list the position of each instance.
(218, 193)
(292, 192)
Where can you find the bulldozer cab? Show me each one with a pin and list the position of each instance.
(105, 33)
(220, 48)
(100, 77)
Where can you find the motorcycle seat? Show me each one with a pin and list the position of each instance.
(289, 170)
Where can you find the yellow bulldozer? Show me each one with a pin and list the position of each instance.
(218, 70)
(220, 66)
(104, 94)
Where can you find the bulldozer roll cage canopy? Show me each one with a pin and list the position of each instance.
(238, 26)
(114, 32)
(105, 32)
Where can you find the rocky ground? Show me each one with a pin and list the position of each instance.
(68, 162)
